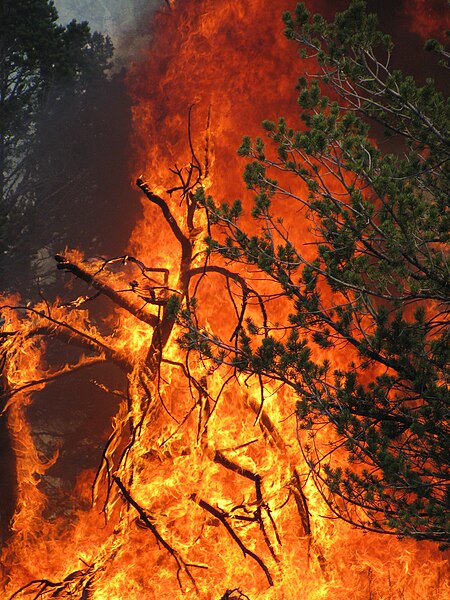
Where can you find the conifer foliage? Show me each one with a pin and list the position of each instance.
(372, 285)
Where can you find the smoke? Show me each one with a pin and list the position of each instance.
(125, 21)
(96, 207)
(107, 16)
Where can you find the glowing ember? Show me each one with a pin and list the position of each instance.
(201, 491)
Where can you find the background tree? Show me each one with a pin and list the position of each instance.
(373, 294)
(57, 102)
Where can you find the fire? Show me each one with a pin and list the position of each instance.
(201, 490)
(428, 19)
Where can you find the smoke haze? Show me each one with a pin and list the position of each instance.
(125, 21)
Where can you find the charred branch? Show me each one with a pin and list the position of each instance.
(247, 291)
(71, 335)
(65, 372)
(150, 292)
(41, 585)
(222, 517)
(147, 520)
(77, 584)
(234, 594)
(186, 247)
(194, 173)
(300, 499)
(228, 464)
(160, 338)
(260, 504)
(97, 282)
(57, 326)
(295, 486)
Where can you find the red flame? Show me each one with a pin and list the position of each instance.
(428, 18)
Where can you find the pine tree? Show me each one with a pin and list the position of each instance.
(47, 73)
(376, 289)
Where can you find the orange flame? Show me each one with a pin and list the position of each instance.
(211, 477)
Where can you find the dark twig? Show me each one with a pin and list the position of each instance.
(222, 517)
(66, 371)
(146, 518)
(170, 219)
(256, 478)
(234, 594)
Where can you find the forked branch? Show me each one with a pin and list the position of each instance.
(147, 520)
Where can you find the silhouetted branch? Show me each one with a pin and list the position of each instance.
(228, 464)
(170, 219)
(222, 517)
(82, 272)
(64, 372)
(146, 518)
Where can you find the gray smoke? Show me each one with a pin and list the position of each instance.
(122, 20)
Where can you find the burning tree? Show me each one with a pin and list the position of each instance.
(152, 428)
(371, 282)
(201, 490)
